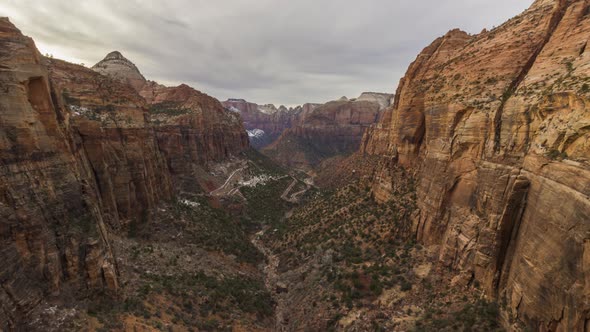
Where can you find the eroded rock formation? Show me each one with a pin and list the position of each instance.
(495, 127)
(83, 155)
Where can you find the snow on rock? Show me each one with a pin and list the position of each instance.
(233, 109)
(256, 133)
(189, 203)
(259, 179)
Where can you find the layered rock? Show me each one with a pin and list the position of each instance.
(193, 129)
(116, 136)
(383, 99)
(495, 127)
(333, 129)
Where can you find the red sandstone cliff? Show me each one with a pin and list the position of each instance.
(496, 128)
(193, 129)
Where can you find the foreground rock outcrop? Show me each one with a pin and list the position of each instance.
(84, 156)
(334, 128)
(54, 237)
(495, 127)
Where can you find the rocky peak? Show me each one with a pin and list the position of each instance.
(118, 67)
(115, 55)
(383, 99)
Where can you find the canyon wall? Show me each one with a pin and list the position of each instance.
(54, 238)
(82, 156)
(496, 128)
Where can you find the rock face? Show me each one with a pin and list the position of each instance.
(383, 99)
(335, 128)
(116, 137)
(496, 128)
(267, 118)
(83, 155)
(53, 232)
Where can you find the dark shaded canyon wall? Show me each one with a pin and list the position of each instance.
(115, 134)
(83, 156)
(52, 228)
(496, 127)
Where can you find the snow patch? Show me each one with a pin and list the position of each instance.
(259, 179)
(233, 109)
(79, 110)
(189, 203)
(256, 133)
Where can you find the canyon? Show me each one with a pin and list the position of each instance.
(460, 203)
(267, 123)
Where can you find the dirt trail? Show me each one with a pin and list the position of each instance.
(219, 191)
(271, 279)
(285, 195)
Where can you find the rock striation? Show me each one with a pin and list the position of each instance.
(495, 127)
(192, 128)
(84, 156)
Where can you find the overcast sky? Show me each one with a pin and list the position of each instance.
(267, 51)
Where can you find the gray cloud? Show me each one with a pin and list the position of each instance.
(280, 51)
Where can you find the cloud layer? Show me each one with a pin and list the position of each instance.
(279, 51)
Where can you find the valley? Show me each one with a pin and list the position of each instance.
(459, 203)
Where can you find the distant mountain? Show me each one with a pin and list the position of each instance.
(267, 120)
(332, 129)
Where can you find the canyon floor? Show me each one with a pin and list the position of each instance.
(261, 248)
